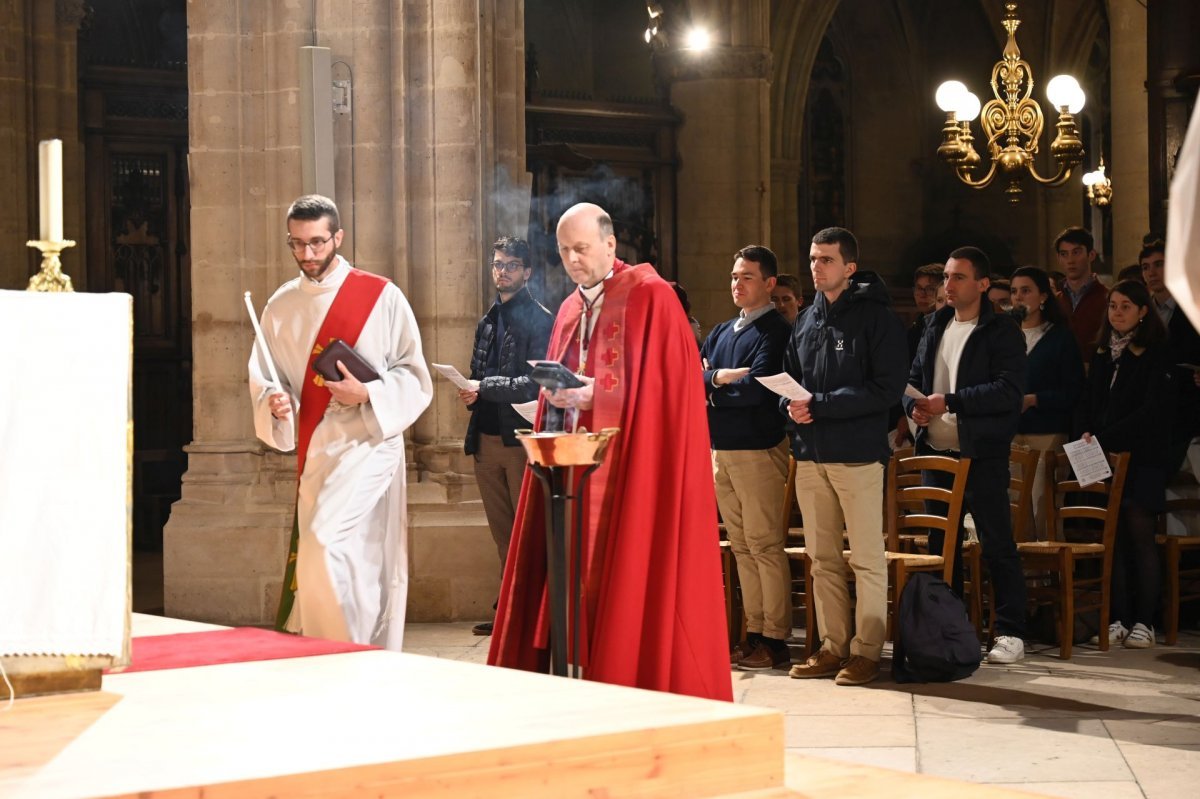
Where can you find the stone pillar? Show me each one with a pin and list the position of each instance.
(785, 215)
(437, 103)
(723, 183)
(1128, 153)
(39, 99)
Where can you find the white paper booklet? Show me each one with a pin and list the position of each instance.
(528, 410)
(455, 377)
(785, 385)
(1088, 461)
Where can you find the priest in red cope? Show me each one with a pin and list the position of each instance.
(653, 613)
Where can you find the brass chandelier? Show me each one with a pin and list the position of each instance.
(1012, 122)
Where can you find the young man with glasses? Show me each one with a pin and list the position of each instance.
(515, 330)
(346, 577)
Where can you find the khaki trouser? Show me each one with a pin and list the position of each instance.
(750, 485)
(1040, 442)
(498, 470)
(830, 496)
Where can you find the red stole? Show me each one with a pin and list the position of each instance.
(345, 320)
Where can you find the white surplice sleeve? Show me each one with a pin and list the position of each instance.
(277, 433)
(405, 390)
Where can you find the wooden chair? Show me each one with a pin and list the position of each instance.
(903, 497)
(1072, 544)
(1182, 585)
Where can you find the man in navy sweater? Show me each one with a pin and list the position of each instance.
(848, 350)
(750, 455)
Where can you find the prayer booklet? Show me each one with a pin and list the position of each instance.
(528, 410)
(454, 376)
(326, 363)
(912, 391)
(786, 386)
(1088, 461)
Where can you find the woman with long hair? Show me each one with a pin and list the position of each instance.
(1127, 407)
(1053, 373)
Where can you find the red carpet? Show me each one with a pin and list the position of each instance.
(236, 645)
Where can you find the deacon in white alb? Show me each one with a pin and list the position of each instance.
(348, 565)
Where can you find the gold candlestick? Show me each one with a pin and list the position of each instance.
(51, 278)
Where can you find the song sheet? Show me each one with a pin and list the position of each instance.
(1088, 461)
(786, 386)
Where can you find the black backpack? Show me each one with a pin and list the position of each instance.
(935, 642)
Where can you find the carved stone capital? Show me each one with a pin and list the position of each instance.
(717, 62)
(70, 12)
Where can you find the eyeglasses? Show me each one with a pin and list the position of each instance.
(316, 245)
(510, 266)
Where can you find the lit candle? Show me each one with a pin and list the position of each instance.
(50, 185)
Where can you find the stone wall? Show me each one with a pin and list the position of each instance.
(39, 99)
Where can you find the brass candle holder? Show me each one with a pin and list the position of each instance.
(51, 276)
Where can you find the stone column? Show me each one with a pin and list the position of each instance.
(39, 99)
(785, 214)
(436, 105)
(1128, 153)
(724, 177)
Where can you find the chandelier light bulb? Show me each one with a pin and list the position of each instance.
(648, 35)
(698, 39)
(1063, 91)
(949, 95)
(1090, 178)
(968, 107)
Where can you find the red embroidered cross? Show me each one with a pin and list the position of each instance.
(610, 357)
(609, 381)
(612, 330)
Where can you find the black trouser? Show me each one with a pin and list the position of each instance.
(987, 502)
(1136, 575)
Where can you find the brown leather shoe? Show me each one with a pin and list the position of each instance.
(859, 670)
(822, 664)
(763, 658)
(740, 652)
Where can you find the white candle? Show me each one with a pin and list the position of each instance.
(50, 185)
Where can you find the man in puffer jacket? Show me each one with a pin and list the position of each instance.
(515, 330)
(849, 351)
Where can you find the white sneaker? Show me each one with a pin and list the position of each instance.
(1116, 633)
(1140, 637)
(1007, 649)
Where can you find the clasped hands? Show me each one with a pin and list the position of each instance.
(928, 407)
(348, 391)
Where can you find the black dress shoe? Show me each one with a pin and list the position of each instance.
(483, 628)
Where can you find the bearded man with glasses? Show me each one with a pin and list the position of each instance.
(515, 330)
(346, 577)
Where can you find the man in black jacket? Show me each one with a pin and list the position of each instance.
(750, 455)
(848, 351)
(515, 330)
(971, 368)
(1183, 344)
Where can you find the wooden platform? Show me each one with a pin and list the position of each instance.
(379, 723)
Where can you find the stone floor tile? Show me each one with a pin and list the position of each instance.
(451, 634)
(823, 698)
(806, 730)
(900, 758)
(1164, 772)
(1009, 750)
(1079, 790)
(1174, 731)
